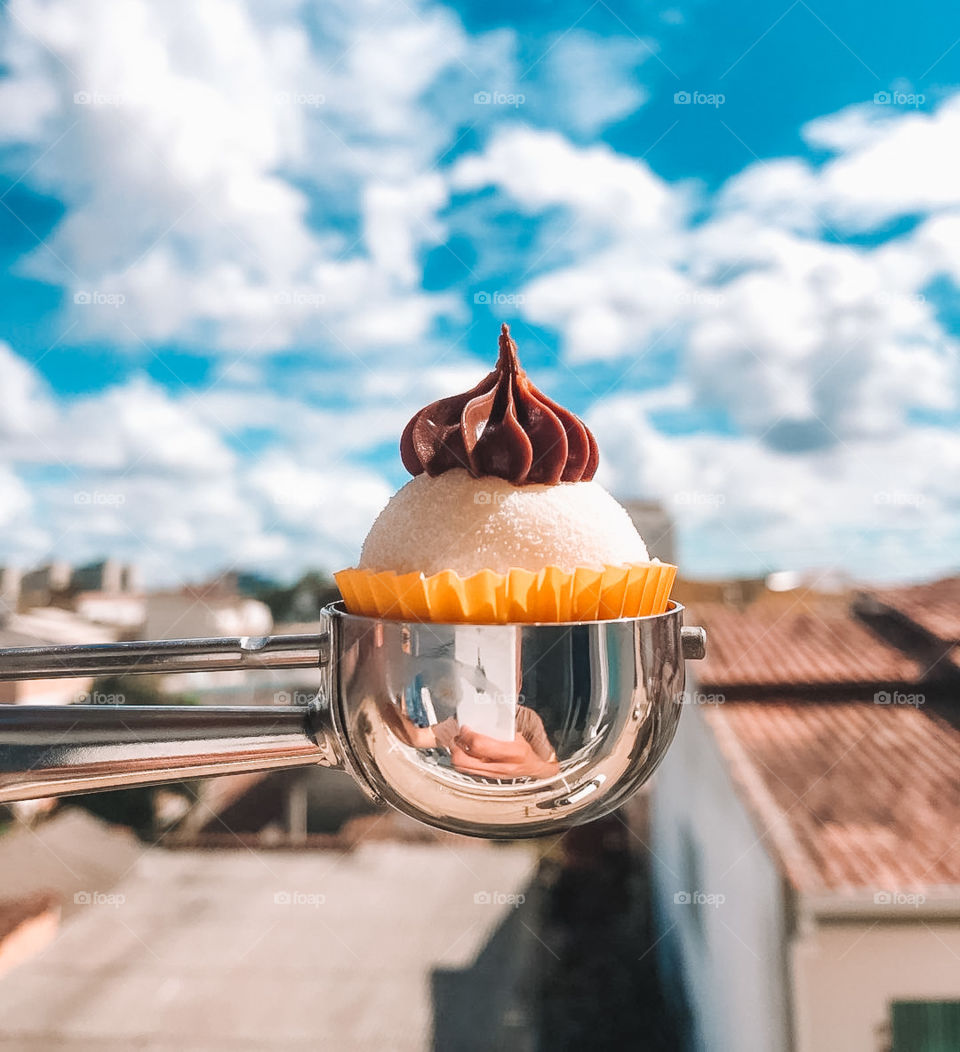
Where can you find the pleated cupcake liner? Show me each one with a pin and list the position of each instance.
(519, 596)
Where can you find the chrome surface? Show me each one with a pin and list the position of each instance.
(490, 730)
(54, 750)
(693, 643)
(165, 655)
(506, 730)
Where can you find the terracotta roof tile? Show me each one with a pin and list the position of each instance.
(848, 794)
(793, 648)
(934, 607)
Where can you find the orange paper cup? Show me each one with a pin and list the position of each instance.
(552, 595)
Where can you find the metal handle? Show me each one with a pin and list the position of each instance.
(165, 655)
(54, 750)
(693, 642)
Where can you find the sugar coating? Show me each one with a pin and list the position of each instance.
(457, 522)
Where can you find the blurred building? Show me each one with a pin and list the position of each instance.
(655, 526)
(125, 611)
(39, 586)
(107, 575)
(383, 945)
(106, 592)
(109, 592)
(204, 611)
(207, 611)
(10, 582)
(42, 627)
(807, 867)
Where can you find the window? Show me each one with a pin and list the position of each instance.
(925, 1026)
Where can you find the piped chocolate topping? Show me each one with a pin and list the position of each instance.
(504, 427)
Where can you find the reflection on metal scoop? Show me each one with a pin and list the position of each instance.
(489, 730)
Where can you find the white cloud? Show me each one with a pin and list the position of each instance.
(184, 128)
(235, 180)
(138, 427)
(328, 509)
(611, 304)
(816, 353)
(801, 340)
(542, 169)
(908, 168)
(15, 499)
(886, 508)
(141, 474)
(823, 338)
(590, 81)
(24, 399)
(889, 162)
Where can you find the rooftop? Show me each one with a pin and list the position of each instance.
(386, 947)
(794, 647)
(834, 792)
(934, 607)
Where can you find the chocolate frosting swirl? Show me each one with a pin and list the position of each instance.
(504, 427)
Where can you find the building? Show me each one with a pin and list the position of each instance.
(42, 627)
(107, 575)
(39, 586)
(124, 610)
(655, 526)
(105, 592)
(804, 828)
(389, 945)
(204, 611)
(10, 581)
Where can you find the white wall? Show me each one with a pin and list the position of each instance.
(731, 949)
(846, 975)
(188, 617)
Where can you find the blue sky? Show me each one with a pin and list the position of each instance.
(241, 244)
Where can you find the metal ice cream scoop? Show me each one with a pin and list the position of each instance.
(489, 730)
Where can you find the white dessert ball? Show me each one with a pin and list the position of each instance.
(457, 522)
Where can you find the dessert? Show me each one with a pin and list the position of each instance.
(502, 521)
